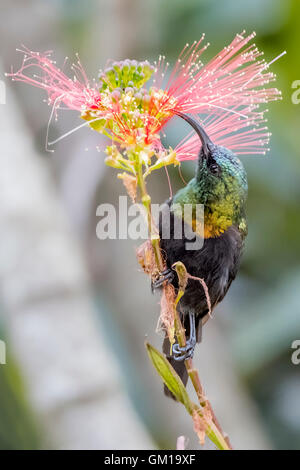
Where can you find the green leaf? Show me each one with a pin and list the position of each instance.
(169, 377)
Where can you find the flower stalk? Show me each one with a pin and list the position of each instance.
(146, 201)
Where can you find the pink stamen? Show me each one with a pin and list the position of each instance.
(75, 94)
(227, 93)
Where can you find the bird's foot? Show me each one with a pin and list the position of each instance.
(165, 276)
(183, 353)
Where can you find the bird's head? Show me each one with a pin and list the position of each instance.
(220, 182)
(215, 162)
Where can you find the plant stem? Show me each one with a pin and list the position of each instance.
(146, 200)
(192, 371)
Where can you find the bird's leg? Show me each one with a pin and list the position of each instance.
(182, 353)
(165, 276)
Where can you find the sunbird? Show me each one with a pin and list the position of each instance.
(220, 185)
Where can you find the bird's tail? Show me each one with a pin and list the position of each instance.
(178, 366)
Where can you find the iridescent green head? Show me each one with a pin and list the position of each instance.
(220, 184)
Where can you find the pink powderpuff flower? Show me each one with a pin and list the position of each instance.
(226, 95)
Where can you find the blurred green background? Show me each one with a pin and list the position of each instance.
(260, 318)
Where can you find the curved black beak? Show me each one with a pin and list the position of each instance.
(205, 140)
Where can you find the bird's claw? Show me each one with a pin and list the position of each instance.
(182, 353)
(165, 276)
(185, 352)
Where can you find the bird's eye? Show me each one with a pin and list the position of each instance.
(215, 169)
